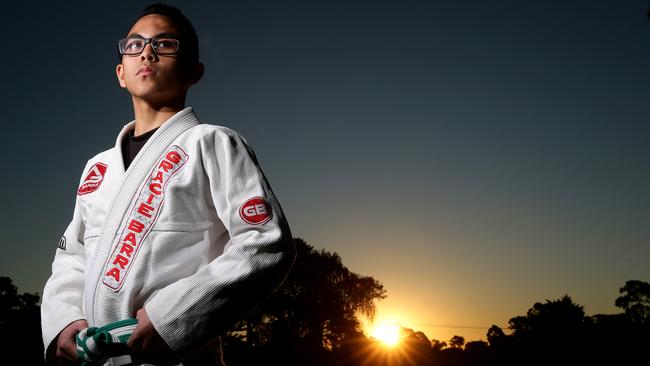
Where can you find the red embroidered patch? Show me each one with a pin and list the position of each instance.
(255, 211)
(94, 179)
(143, 216)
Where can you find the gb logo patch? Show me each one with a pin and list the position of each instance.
(255, 211)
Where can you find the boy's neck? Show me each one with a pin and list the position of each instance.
(148, 117)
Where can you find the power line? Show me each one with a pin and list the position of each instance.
(451, 326)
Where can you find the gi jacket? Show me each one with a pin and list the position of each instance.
(191, 231)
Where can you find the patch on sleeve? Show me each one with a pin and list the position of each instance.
(255, 211)
(93, 180)
(61, 244)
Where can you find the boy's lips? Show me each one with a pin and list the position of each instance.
(144, 70)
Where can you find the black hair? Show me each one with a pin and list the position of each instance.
(189, 48)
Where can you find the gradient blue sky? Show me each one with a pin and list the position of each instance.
(475, 157)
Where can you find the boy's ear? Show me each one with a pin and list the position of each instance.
(196, 73)
(119, 70)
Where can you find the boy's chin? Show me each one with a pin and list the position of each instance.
(151, 91)
(154, 99)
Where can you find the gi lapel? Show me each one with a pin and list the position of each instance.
(138, 171)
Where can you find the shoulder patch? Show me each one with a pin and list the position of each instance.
(61, 244)
(93, 179)
(255, 211)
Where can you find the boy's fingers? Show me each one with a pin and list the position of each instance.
(71, 350)
(135, 342)
(62, 352)
(67, 346)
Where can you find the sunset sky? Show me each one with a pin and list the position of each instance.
(475, 157)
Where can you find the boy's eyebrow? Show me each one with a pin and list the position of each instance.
(164, 34)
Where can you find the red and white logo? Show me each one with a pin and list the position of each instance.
(255, 211)
(93, 179)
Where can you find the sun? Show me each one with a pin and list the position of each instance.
(387, 333)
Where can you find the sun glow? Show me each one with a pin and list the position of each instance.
(387, 333)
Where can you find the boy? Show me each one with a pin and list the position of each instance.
(176, 225)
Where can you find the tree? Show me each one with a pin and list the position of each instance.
(457, 341)
(314, 310)
(635, 301)
(415, 348)
(495, 335)
(557, 321)
(20, 324)
(502, 347)
(476, 346)
(552, 332)
(437, 345)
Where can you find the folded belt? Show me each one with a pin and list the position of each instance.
(97, 344)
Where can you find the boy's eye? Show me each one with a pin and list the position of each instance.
(134, 44)
(165, 44)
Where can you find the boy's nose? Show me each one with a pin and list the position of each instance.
(148, 52)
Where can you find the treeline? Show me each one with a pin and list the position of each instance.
(556, 332)
(312, 320)
(20, 326)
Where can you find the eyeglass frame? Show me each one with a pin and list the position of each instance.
(146, 41)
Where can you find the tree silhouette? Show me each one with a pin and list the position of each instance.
(416, 347)
(313, 312)
(629, 332)
(457, 341)
(552, 331)
(559, 332)
(495, 335)
(635, 301)
(20, 324)
(416, 338)
(437, 345)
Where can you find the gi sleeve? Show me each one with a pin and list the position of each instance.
(63, 293)
(195, 309)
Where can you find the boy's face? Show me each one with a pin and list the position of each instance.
(164, 82)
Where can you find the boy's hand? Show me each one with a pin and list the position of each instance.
(145, 338)
(66, 346)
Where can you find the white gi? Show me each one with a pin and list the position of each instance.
(191, 231)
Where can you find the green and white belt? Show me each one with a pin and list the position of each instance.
(95, 345)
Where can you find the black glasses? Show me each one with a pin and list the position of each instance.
(135, 45)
